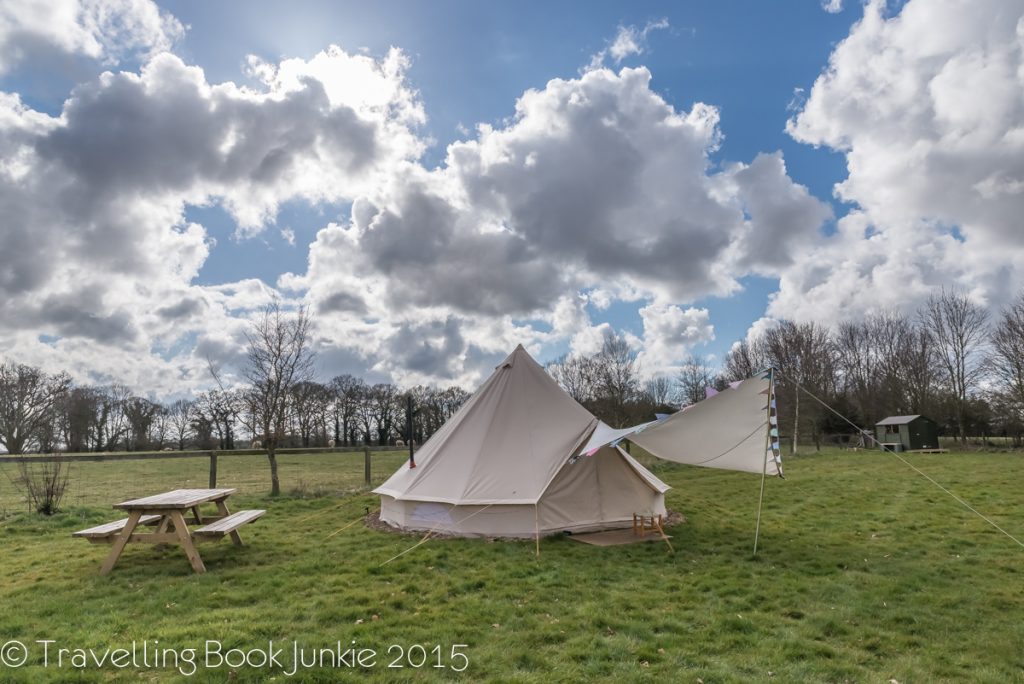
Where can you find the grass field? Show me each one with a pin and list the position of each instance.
(302, 475)
(866, 572)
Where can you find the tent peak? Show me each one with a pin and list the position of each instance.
(509, 361)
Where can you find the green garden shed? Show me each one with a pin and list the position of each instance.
(911, 433)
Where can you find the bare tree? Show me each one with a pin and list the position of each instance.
(180, 419)
(909, 379)
(433, 406)
(279, 357)
(694, 379)
(1008, 414)
(384, 405)
(363, 412)
(617, 371)
(805, 356)
(139, 414)
(576, 375)
(109, 420)
(310, 401)
(78, 409)
(606, 383)
(745, 360)
(858, 358)
(617, 377)
(161, 427)
(347, 391)
(958, 331)
(1007, 360)
(659, 390)
(221, 408)
(201, 428)
(867, 365)
(451, 400)
(28, 398)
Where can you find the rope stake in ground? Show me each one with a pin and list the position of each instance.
(907, 463)
(342, 529)
(421, 541)
(325, 510)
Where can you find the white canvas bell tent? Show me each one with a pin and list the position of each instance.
(504, 466)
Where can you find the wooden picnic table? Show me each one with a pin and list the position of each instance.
(167, 512)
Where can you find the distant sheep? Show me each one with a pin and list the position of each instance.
(399, 442)
(330, 443)
(256, 444)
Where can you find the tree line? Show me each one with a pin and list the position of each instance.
(952, 360)
(40, 412)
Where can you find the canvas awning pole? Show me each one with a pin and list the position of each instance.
(767, 442)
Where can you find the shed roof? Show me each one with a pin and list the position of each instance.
(898, 420)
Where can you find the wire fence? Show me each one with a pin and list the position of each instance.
(106, 479)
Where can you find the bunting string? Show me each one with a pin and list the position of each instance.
(774, 448)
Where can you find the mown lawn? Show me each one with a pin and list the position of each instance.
(866, 572)
(96, 483)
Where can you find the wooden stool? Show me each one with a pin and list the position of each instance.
(642, 524)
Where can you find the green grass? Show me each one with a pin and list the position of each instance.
(866, 572)
(99, 483)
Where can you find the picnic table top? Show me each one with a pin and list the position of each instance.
(179, 498)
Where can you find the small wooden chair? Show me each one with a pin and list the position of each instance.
(642, 524)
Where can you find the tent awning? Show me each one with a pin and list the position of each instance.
(735, 429)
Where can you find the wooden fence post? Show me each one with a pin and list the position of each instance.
(366, 464)
(213, 470)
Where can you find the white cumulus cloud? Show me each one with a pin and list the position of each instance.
(628, 41)
(596, 191)
(832, 6)
(669, 334)
(928, 107)
(96, 254)
(105, 30)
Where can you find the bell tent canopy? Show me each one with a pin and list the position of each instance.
(507, 465)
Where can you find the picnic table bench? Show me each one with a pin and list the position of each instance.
(167, 513)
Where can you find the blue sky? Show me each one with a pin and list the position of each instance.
(440, 181)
